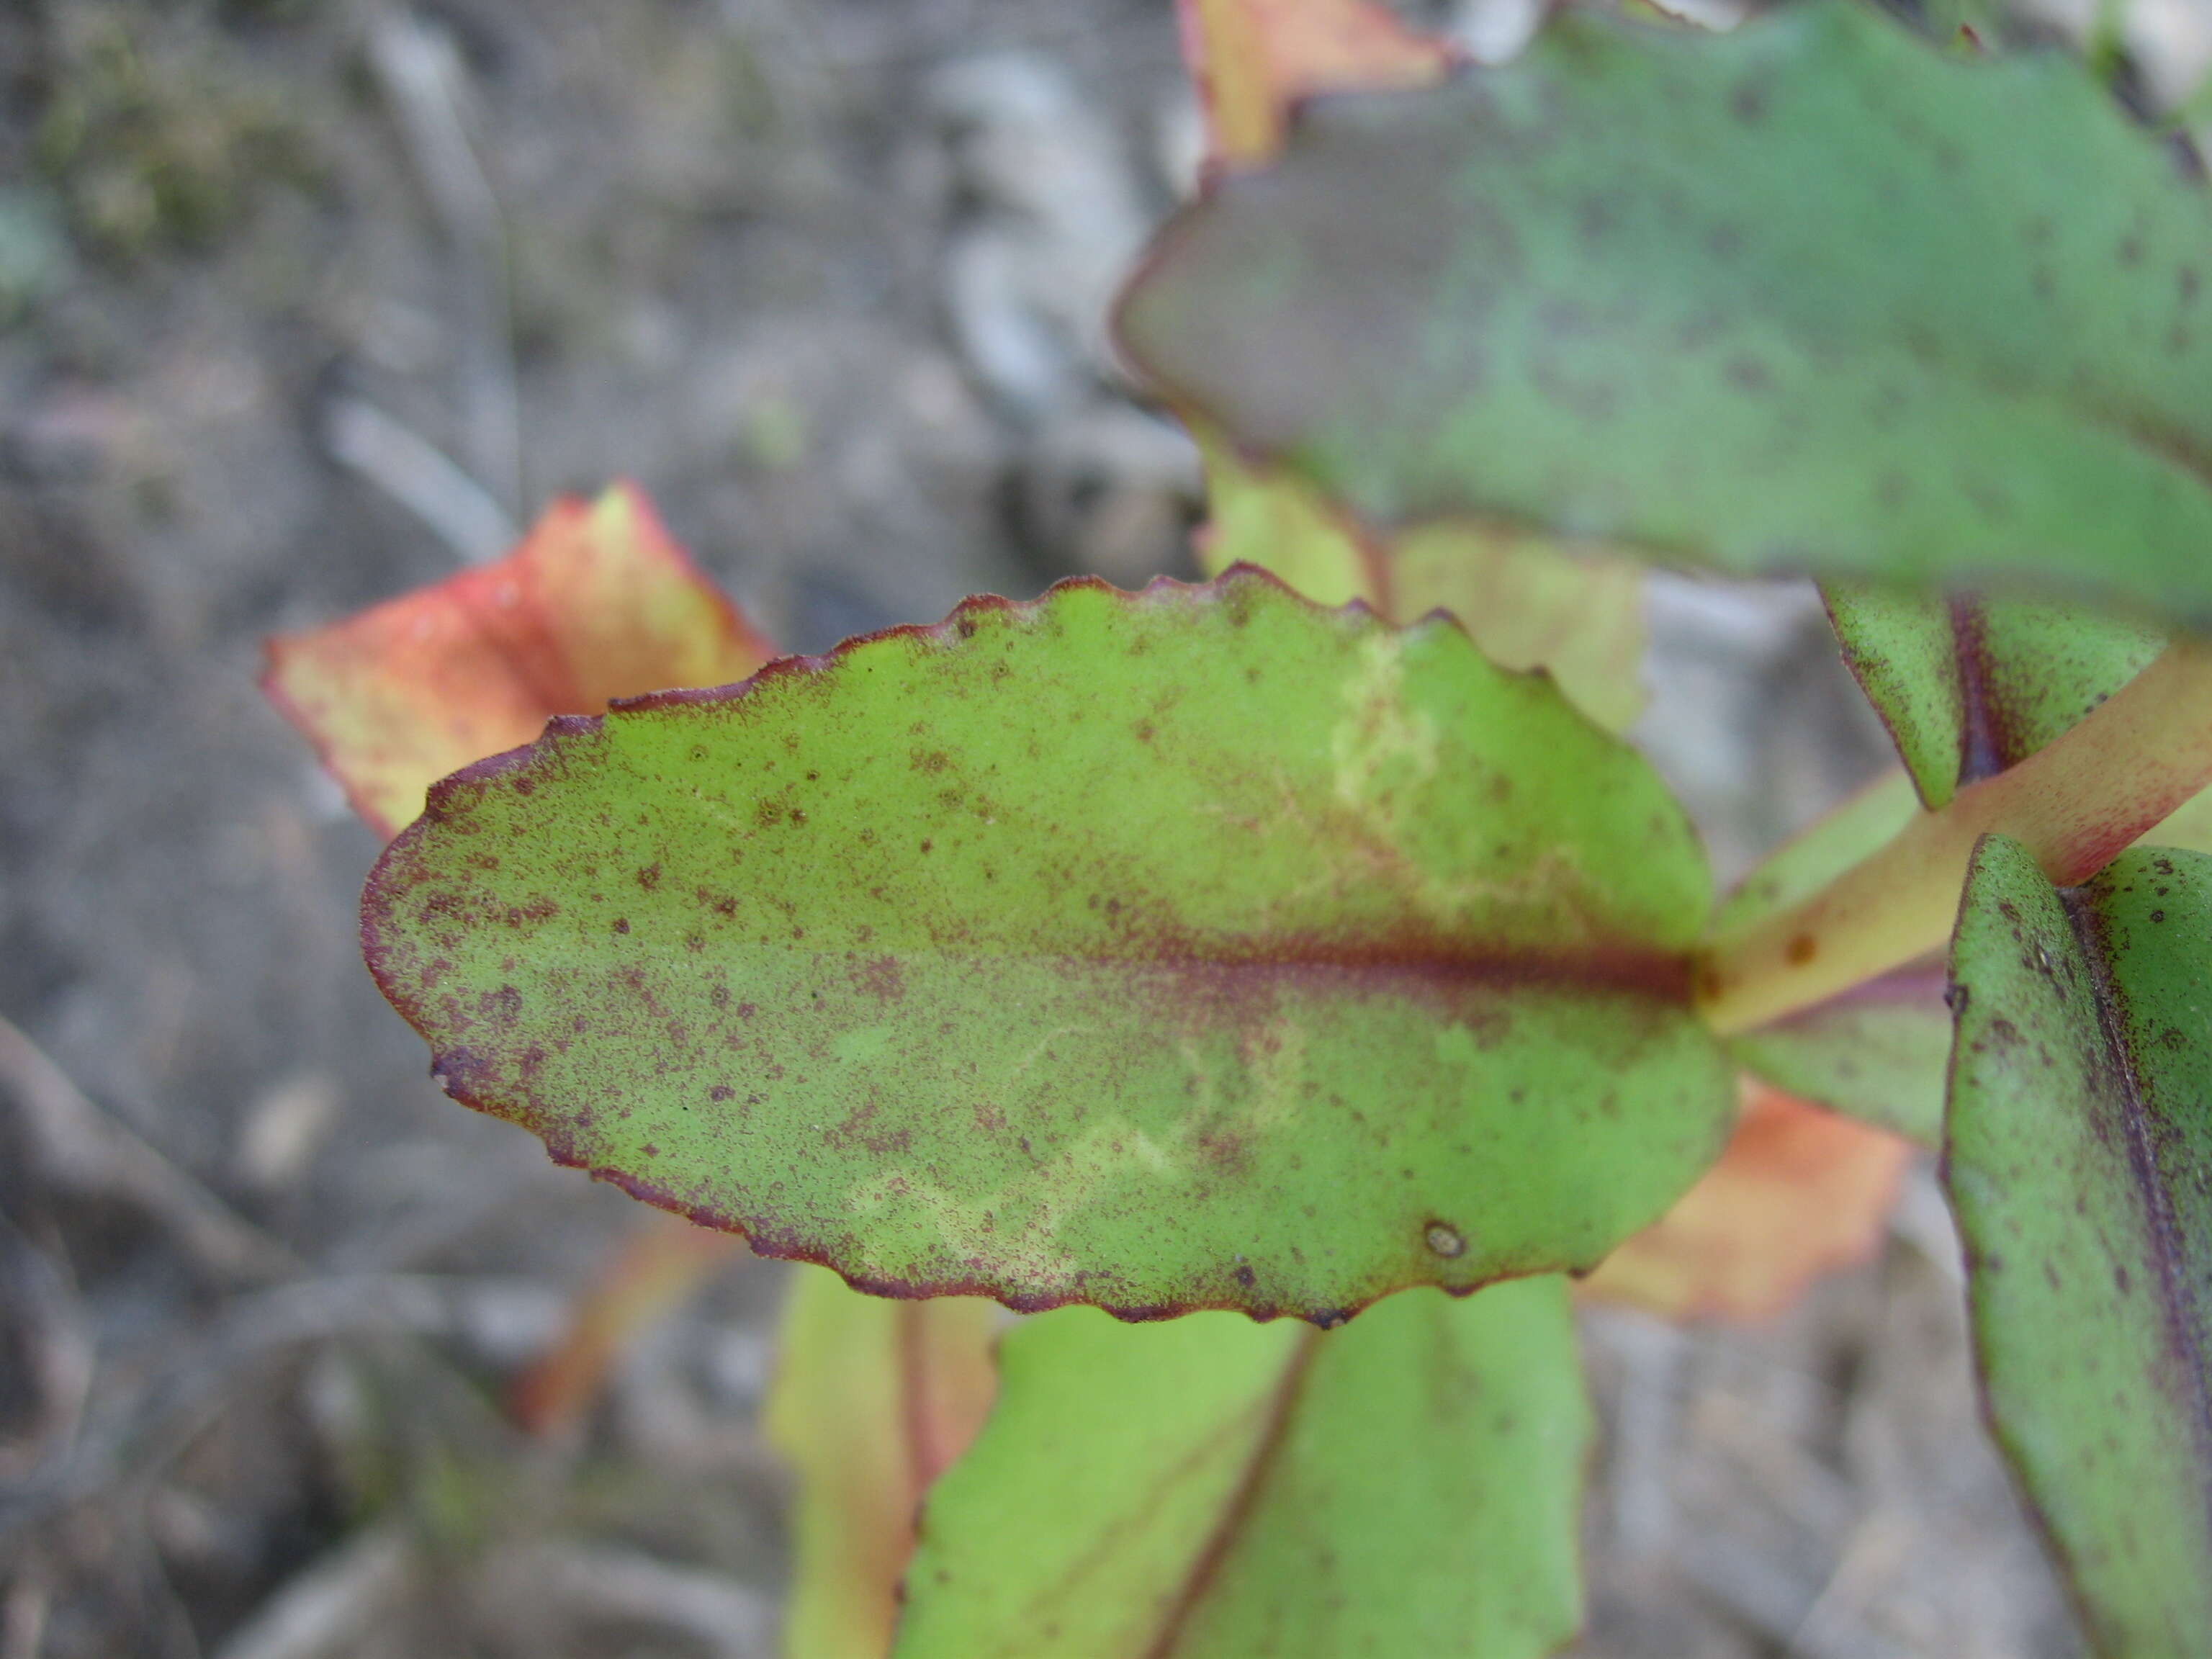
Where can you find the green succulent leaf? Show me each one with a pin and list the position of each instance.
(1196, 948)
(1815, 296)
(1409, 1484)
(1878, 1052)
(1968, 687)
(2079, 1160)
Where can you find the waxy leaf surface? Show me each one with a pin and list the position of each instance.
(1878, 1051)
(597, 603)
(2079, 1163)
(1526, 601)
(1213, 1489)
(1968, 687)
(1799, 1192)
(873, 1399)
(1196, 948)
(1810, 296)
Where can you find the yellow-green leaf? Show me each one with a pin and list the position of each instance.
(1197, 948)
(1214, 1489)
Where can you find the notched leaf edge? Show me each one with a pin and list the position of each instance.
(1667, 977)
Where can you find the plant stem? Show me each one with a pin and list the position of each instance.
(2075, 804)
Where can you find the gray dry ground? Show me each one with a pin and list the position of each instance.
(824, 275)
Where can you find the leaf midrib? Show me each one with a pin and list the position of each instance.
(1236, 1509)
(2176, 1301)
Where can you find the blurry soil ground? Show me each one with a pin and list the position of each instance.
(299, 301)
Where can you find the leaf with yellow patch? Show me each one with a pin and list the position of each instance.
(1193, 948)
(1528, 601)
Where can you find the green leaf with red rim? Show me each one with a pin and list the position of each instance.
(1197, 948)
(1968, 687)
(2078, 1158)
(1812, 296)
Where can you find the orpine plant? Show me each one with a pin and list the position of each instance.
(1206, 952)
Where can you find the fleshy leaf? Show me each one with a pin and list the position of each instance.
(1809, 296)
(874, 1399)
(2079, 1161)
(597, 603)
(1195, 948)
(1408, 1486)
(1798, 1193)
(1878, 1051)
(1968, 687)
(1527, 602)
(1251, 59)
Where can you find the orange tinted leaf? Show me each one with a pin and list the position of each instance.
(597, 603)
(873, 1399)
(1798, 1192)
(1251, 59)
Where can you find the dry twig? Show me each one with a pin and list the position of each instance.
(78, 1145)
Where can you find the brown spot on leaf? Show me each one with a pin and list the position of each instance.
(881, 978)
(1747, 373)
